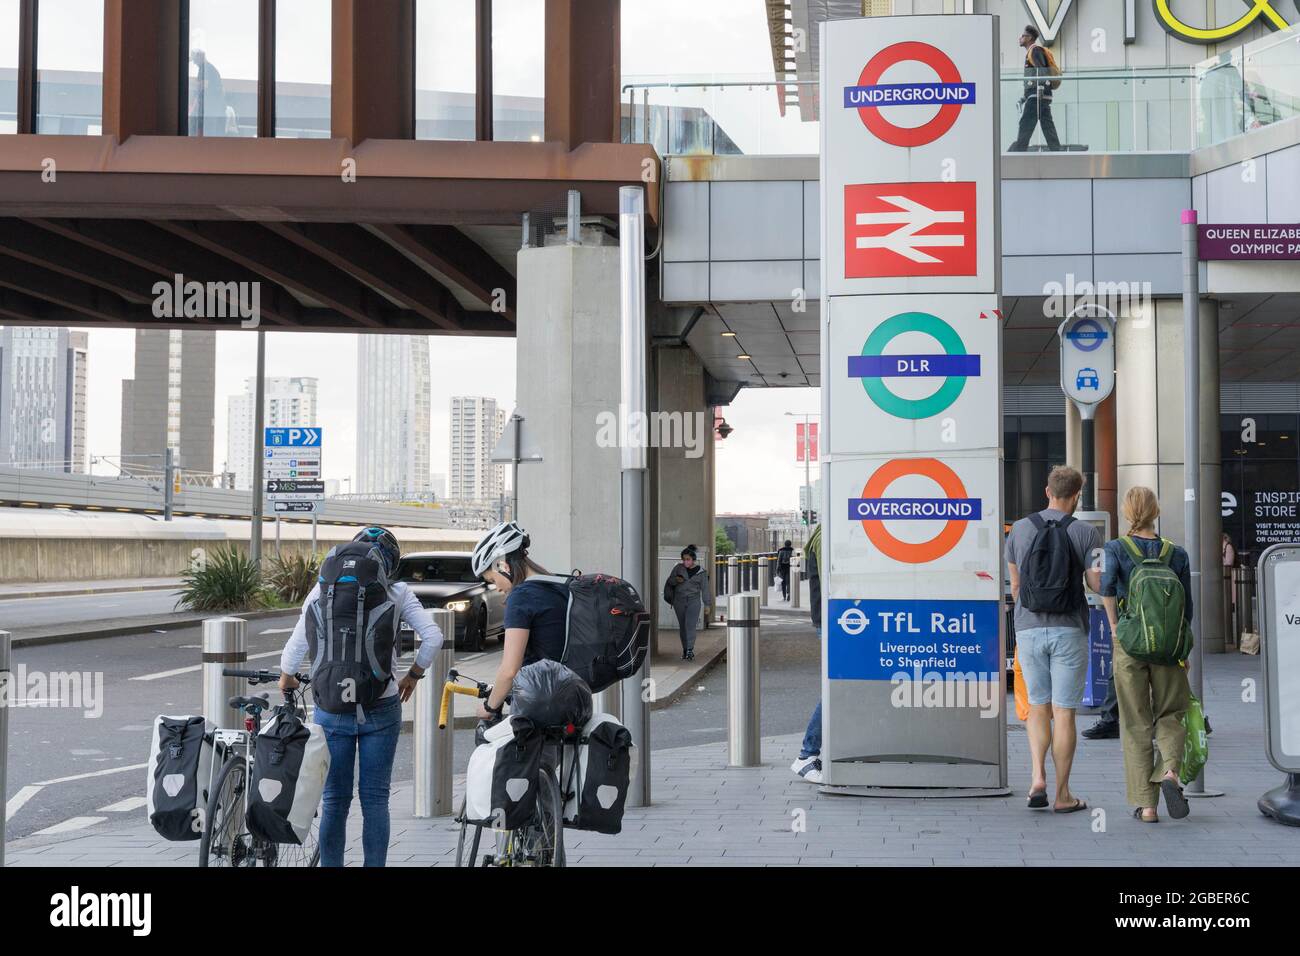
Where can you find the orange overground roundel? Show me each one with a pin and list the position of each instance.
(914, 552)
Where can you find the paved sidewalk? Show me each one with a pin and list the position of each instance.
(708, 815)
(46, 589)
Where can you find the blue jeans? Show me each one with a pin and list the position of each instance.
(812, 738)
(376, 740)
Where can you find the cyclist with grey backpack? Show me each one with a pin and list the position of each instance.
(1147, 590)
(350, 625)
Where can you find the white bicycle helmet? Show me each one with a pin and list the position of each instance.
(504, 539)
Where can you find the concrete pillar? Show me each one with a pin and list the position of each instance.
(685, 468)
(568, 393)
(1149, 436)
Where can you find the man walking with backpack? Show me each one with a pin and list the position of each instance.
(1049, 555)
(784, 558)
(1036, 104)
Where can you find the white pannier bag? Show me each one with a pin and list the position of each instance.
(178, 775)
(501, 781)
(290, 763)
(604, 771)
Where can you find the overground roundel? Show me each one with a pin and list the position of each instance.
(923, 551)
(932, 57)
(955, 365)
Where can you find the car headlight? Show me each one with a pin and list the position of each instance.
(457, 606)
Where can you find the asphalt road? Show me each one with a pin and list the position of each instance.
(83, 766)
(22, 614)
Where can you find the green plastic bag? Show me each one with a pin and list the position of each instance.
(1196, 751)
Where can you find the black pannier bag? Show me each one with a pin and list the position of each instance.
(179, 774)
(604, 769)
(501, 780)
(607, 629)
(351, 631)
(290, 763)
(550, 695)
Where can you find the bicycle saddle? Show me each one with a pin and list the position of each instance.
(259, 701)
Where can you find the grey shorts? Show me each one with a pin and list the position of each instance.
(1054, 661)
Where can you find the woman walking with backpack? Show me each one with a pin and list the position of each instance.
(1137, 588)
(687, 590)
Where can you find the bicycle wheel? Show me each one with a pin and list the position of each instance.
(226, 840)
(306, 854)
(542, 842)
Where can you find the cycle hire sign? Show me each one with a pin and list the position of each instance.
(913, 683)
(918, 380)
(909, 185)
(1087, 359)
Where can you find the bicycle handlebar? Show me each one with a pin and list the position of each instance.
(450, 687)
(261, 677)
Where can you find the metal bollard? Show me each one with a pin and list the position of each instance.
(794, 584)
(733, 575)
(762, 580)
(225, 644)
(1245, 600)
(744, 746)
(610, 701)
(434, 748)
(6, 695)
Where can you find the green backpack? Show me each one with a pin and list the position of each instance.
(1152, 628)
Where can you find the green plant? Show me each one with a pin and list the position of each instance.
(224, 579)
(292, 576)
(721, 543)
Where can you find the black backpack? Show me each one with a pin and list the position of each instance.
(606, 628)
(351, 631)
(1051, 581)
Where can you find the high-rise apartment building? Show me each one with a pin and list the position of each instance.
(171, 401)
(393, 395)
(43, 398)
(288, 402)
(476, 427)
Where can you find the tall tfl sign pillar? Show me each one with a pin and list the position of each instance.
(913, 671)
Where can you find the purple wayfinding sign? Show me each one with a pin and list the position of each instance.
(1248, 241)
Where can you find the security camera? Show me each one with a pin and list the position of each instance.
(724, 429)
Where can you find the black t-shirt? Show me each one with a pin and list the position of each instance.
(541, 608)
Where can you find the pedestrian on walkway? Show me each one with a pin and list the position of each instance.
(808, 765)
(1049, 555)
(687, 590)
(1036, 104)
(783, 558)
(367, 735)
(1152, 697)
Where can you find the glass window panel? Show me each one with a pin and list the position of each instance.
(302, 69)
(8, 66)
(70, 67)
(518, 69)
(222, 86)
(444, 69)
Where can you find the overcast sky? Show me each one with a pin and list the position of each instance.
(660, 38)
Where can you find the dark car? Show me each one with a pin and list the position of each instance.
(445, 579)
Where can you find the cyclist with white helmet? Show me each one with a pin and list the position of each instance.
(535, 608)
(371, 741)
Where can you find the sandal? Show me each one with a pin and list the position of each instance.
(1137, 815)
(1037, 800)
(1078, 805)
(1175, 802)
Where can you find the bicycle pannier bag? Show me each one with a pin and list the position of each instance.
(604, 769)
(550, 695)
(1051, 580)
(180, 772)
(351, 630)
(290, 763)
(501, 781)
(607, 629)
(1152, 628)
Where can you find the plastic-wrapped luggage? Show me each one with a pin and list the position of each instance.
(550, 695)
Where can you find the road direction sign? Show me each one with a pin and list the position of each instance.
(291, 463)
(1087, 340)
(296, 507)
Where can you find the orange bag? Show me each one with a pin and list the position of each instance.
(1022, 692)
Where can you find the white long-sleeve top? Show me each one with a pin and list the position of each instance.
(409, 609)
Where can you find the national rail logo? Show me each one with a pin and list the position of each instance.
(952, 366)
(870, 96)
(956, 510)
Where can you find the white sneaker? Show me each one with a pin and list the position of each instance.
(808, 769)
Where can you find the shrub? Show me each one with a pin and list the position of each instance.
(292, 576)
(226, 580)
